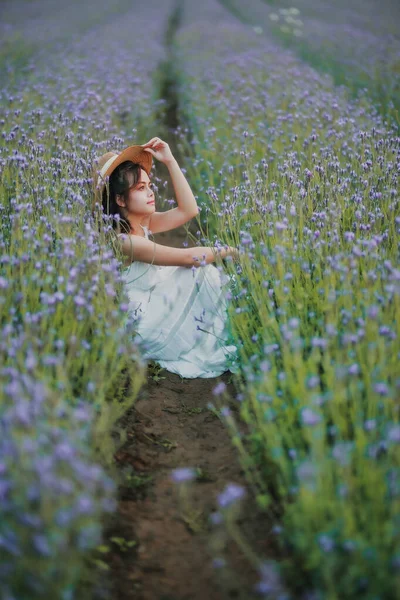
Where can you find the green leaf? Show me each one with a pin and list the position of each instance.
(101, 565)
(117, 540)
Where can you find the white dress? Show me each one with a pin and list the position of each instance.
(179, 315)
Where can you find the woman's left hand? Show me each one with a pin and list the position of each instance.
(159, 149)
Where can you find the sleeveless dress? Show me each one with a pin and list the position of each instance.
(180, 317)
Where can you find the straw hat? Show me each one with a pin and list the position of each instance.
(107, 163)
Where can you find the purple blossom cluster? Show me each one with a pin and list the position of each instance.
(230, 495)
(52, 493)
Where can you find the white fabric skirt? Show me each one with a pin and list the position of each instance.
(180, 318)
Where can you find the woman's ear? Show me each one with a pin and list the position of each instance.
(119, 200)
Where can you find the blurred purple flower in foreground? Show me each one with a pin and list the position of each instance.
(183, 474)
(231, 494)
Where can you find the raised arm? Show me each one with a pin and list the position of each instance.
(184, 195)
(136, 248)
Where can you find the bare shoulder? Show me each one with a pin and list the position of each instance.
(137, 248)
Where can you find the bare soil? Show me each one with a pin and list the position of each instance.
(172, 559)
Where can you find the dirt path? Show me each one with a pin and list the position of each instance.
(171, 427)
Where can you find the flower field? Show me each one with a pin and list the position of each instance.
(66, 97)
(306, 183)
(356, 42)
(302, 176)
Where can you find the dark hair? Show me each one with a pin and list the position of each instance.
(121, 179)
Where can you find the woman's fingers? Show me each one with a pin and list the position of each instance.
(152, 141)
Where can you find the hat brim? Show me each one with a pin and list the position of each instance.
(135, 154)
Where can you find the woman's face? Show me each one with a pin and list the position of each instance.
(141, 196)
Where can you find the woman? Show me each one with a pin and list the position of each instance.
(175, 294)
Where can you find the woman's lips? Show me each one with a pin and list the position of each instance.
(152, 202)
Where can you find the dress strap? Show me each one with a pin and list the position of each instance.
(146, 231)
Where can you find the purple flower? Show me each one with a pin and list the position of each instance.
(83, 413)
(381, 388)
(231, 494)
(79, 300)
(64, 516)
(342, 452)
(216, 518)
(326, 543)
(64, 451)
(395, 562)
(22, 412)
(9, 541)
(354, 369)
(219, 389)
(84, 504)
(218, 562)
(277, 529)
(318, 342)
(270, 583)
(373, 311)
(349, 545)
(183, 474)
(41, 544)
(378, 449)
(393, 434)
(294, 323)
(5, 487)
(369, 424)
(265, 366)
(270, 348)
(310, 417)
(31, 520)
(313, 381)
(307, 473)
